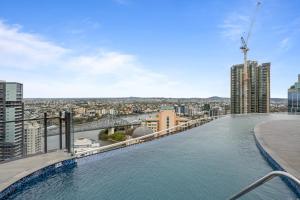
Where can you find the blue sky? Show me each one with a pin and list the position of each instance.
(157, 48)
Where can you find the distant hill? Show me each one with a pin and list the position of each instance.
(227, 99)
(216, 98)
(273, 100)
(151, 99)
(279, 100)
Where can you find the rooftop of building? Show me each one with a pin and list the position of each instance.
(83, 141)
(166, 108)
(297, 84)
(7, 82)
(251, 63)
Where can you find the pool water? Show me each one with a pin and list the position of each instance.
(213, 161)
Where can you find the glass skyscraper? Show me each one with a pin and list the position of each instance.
(11, 116)
(294, 97)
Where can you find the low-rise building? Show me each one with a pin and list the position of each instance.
(165, 119)
(85, 143)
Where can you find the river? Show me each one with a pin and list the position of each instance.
(53, 141)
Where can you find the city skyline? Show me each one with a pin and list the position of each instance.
(146, 49)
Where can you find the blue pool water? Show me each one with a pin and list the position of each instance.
(213, 161)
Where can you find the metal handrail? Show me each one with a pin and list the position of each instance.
(263, 180)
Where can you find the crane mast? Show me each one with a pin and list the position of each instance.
(245, 50)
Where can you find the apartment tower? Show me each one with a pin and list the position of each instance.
(258, 90)
(11, 116)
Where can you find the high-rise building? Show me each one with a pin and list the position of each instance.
(11, 116)
(258, 90)
(294, 97)
(33, 137)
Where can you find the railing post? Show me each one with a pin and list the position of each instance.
(68, 131)
(60, 130)
(45, 133)
(24, 144)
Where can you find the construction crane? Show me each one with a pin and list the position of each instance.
(245, 50)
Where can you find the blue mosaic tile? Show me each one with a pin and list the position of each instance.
(38, 176)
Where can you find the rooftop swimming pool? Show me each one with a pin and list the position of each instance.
(213, 161)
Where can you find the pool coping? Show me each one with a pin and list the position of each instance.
(35, 174)
(274, 161)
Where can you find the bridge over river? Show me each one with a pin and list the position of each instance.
(109, 121)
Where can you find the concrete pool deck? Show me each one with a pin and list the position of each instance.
(281, 140)
(11, 172)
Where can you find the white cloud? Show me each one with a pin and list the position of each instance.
(234, 26)
(291, 27)
(103, 62)
(289, 31)
(121, 2)
(284, 44)
(23, 50)
(55, 71)
(81, 27)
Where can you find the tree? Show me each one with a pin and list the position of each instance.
(103, 134)
(117, 136)
(206, 107)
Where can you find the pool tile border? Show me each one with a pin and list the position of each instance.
(276, 166)
(35, 176)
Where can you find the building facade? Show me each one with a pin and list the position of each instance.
(258, 90)
(294, 97)
(11, 110)
(181, 109)
(165, 119)
(33, 137)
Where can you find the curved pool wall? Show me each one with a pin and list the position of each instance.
(37, 176)
(276, 166)
(86, 165)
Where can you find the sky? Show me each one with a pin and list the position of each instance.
(142, 48)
